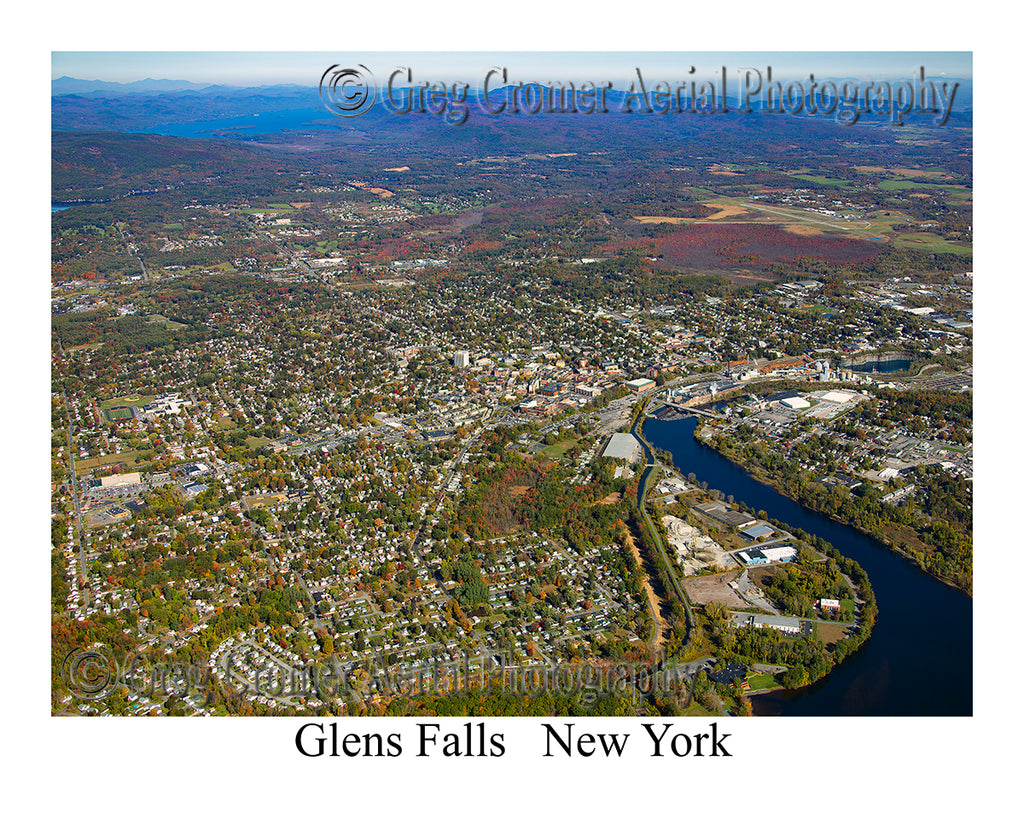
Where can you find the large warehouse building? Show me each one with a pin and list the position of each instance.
(641, 385)
(622, 445)
(124, 479)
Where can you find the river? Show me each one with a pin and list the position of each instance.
(917, 661)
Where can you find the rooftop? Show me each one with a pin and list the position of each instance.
(622, 445)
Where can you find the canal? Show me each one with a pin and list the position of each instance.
(917, 661)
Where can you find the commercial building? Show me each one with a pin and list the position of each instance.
(552, 389)
(763, 556)
(779, 554)
(461, 358)
(793, 363)
(795, 403)
(126, 479)
(641, 385)
(724, 514)
(762, 531)
(622, 445)
(787, 625)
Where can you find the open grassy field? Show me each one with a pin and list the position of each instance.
(274, 207)
(804, 230)
(557, 450)
(932, 173)
(760, 682)
(725, 207)
(126, 401)
(135, 459)
(909, 184)
(822, 180)
(166, 322)
(931, 243)
(831, 633)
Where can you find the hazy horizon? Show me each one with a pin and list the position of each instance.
(259, 69)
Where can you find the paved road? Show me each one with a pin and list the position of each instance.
(79, 532)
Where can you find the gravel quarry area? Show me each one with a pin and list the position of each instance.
(696, 550)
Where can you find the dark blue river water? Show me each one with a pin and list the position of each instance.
(917, 661)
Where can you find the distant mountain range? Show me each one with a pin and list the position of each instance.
(102, 88)
(192, 109)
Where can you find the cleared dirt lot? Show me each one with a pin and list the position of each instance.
(655, 602)
(714, 589)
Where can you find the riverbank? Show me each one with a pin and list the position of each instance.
(917, 661)
(916, 558)
(807, 665)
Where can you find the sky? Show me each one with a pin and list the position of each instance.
(248, 68)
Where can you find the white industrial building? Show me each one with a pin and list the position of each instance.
(762, 555)
(838, 396)
(787, 625)
(796, 402)
(778, 553)
(622, 445)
